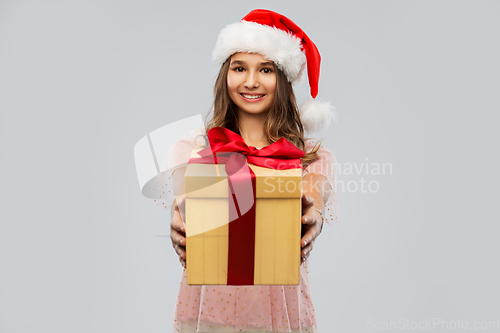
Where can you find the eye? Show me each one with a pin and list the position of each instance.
(237, 69)
(269, 70)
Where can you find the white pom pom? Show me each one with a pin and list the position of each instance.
(316, 116)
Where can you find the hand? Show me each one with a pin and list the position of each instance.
(311, 226)
(178, 229)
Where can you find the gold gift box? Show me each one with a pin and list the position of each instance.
(277, 224)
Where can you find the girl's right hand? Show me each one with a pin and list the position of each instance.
(178, 229)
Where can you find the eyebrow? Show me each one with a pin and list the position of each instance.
(240, 62)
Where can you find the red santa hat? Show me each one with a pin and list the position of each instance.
(277, 38)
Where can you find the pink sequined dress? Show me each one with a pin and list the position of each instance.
(209, 308)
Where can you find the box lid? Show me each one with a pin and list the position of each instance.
(210, 181)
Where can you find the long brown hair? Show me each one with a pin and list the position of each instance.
(282, 119)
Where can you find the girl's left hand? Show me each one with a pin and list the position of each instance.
(311, 226)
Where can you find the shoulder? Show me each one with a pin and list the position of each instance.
(310, 143)
(195, 137)
(181, 148)
(325, 161)
(195, 134)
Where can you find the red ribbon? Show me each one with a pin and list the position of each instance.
(230, 148)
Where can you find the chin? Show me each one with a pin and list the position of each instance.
(254, 111)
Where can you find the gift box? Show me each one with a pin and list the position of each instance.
(217, 252)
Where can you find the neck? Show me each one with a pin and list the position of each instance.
(252, 129)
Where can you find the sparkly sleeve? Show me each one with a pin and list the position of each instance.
(326, 165)
(178, 157)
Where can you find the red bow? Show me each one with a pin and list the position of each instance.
(230, 148)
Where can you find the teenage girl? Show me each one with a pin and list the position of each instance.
(261, 57)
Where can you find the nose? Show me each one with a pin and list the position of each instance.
(251, 80)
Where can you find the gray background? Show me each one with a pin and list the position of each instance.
(416, 85)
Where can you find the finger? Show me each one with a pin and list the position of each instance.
(310, 217)
(309, 237)
(303, 259)
(183, 262)
(177, 238)
(307, 249)
(177, 224)
(181, 251)
(307, 201)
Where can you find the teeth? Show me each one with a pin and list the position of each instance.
(252, 96)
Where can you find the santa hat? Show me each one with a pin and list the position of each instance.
(277, 38)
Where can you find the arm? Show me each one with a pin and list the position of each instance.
(315, 193)
(177, 224)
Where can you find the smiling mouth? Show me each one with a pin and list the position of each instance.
(252, 97)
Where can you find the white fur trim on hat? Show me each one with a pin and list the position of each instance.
(316, 116)
(272, 43)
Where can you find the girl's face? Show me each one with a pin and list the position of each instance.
(251, 82)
